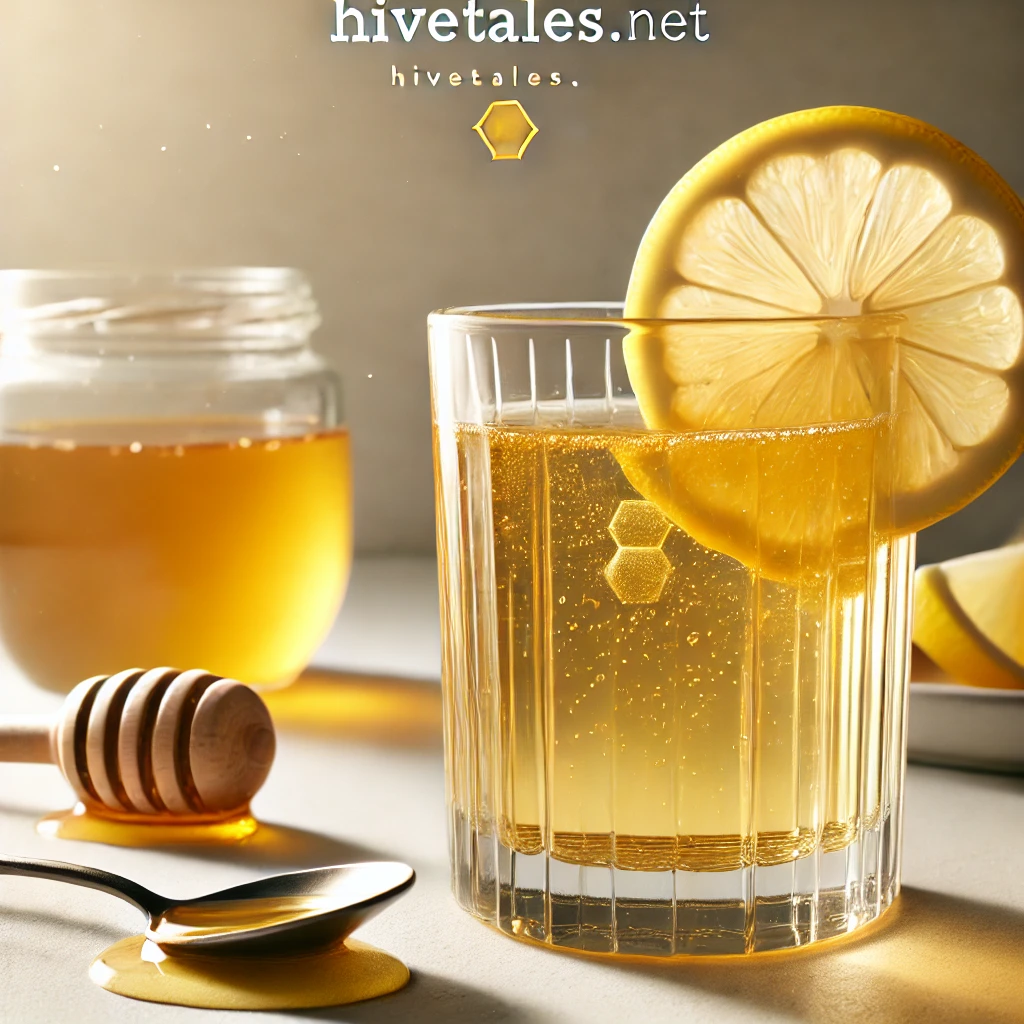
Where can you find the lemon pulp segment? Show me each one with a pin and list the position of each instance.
(803, 258)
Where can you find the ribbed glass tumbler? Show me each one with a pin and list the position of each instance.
(674, 661)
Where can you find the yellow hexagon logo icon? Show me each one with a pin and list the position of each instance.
(506, 130)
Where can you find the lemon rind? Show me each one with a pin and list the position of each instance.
(948, 635)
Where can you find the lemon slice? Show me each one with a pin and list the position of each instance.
(968, 618)
(847, 226)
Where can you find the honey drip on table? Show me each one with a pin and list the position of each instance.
(86, 826)
(348, 972)
(344, 972)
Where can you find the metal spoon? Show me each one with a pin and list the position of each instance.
(290, 912)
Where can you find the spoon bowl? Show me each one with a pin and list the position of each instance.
(299, 910)
(293, 912)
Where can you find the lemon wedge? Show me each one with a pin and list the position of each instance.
(810, 256)
(968, 617)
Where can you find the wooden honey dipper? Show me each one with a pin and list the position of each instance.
(161, 742)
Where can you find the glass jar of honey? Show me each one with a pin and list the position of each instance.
(174, 474)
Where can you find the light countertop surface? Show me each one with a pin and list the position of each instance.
(362, 778)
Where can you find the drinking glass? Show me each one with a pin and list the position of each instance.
(674, 662)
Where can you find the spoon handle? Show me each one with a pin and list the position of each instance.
(151, 904)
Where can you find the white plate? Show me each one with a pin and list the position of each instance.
(966, 727)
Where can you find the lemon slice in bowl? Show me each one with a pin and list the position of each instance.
(843, 225)
(967, 617)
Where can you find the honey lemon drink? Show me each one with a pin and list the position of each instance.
(662, 705)
(145, 543)
(676, 540)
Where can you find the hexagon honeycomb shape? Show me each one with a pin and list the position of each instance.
(638, 575)
(639, 524)
(506, 130)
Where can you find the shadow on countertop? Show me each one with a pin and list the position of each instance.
(282, 847)
(374, 709)
(430, 999)
(279, 847)
(933, 958)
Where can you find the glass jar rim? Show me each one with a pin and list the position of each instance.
(218, 306)
(612, 314)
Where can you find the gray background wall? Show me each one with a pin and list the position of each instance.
(388, 199)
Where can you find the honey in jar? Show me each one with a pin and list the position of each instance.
(174, 475)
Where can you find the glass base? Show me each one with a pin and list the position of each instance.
(603, 909)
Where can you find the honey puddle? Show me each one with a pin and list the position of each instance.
(88, 827)
(344, 973)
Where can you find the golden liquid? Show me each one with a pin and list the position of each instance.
(86, 826)
(694, 715)
(230, 555)
(346, 973)
(217, 916)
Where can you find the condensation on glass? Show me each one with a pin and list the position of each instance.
(653, 747)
